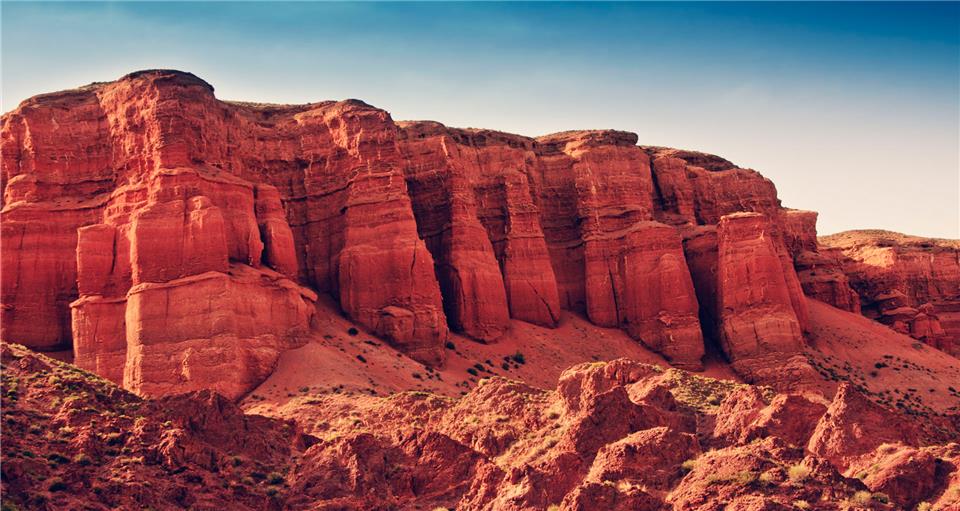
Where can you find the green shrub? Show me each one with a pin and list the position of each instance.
(861, 498)
(57, 484)
(798, 473)
(57, 458)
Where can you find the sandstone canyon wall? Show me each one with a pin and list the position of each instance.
(163, 235)
(911, 284)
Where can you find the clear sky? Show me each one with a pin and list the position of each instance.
(852, 109)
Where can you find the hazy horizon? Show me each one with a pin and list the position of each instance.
(852, 110)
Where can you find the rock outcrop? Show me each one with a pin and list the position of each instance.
(757, 297)
(910, 283)
(615, 435)
(120, 196)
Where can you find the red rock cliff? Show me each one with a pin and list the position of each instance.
(164, 234)
(907, 282)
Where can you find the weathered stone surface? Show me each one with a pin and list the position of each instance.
(822, 277)
(213, 330)
(608, 438)
(412, 227)
(649, 458)
(896, 276)
(279, 250)
(659, 304)
(173, 183)
(756, 312)
(854, 426)
(613, 192)
(474, 209)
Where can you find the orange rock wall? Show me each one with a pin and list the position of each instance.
(910, 283)
(120, 196)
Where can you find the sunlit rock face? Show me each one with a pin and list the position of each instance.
(160, 232)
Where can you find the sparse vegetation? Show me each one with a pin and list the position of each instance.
(352, 331)
(58, 458)
(57, 484)
(798, 473)
(861, 498)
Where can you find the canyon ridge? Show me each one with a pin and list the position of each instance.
(211, 304)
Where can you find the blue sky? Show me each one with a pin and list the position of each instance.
(852, 109)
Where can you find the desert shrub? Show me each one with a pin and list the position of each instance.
(362, 358)
(472, 371)
(352, 331)
(57, 458)
(798, 473)
(688, 465)
(745, 478)
(450, 345)
(275, 478)
(861, 498)
(57, 484)
(82, 459)
(519, 358)
(113, 438)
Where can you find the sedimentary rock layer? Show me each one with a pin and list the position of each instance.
(115, 191)
(907, 282)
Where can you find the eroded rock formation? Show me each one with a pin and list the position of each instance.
(907, 282)
(616, 435)
(160, 232)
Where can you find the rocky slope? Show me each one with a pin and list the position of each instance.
(617, 435)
